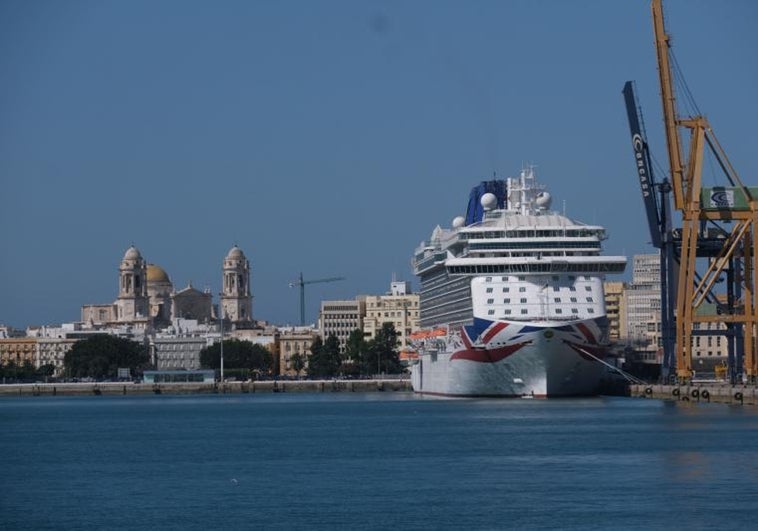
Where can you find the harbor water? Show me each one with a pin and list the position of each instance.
(375, 461)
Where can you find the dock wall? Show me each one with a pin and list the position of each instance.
(129, 388)
(719, 393)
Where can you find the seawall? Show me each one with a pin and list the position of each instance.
(129, 388)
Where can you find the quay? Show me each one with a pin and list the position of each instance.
(182, 388)
(716, 392)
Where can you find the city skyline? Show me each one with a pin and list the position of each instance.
(329, 139)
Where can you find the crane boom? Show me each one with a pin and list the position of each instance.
(302, 283)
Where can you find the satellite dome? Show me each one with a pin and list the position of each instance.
(543, 201)
(488, 201)
(458, 222)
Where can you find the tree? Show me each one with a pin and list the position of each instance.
(325, 360)
(100, 356)
(356, 349)
(298, 362)
(242, 356)
(382, 353)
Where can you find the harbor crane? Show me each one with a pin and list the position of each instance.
(302, 283)
(719, 226)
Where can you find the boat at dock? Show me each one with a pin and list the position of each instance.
(511, 299)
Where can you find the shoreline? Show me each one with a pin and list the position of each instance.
(179, 388)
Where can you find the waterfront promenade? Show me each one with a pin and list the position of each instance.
(266, 386)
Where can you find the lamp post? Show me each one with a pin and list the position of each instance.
(221, 328)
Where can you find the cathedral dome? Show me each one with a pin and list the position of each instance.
(132, 253)
(157, 274)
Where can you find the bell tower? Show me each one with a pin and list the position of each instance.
(236, 299)
(132, 301)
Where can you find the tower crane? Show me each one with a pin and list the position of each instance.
(302, 283)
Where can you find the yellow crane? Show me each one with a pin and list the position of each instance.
(718, 224)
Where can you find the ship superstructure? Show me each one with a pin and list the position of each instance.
(515, 300)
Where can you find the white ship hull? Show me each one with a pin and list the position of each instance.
(513, 359)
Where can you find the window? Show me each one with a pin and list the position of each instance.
(523, 300)
(557, 299)
(523, 311)
(573, 299)
(506, 290)
(572, 288)
(522, 289)
(507, 312)
(556, 288)
(490, 301)
(489, 290)
(558, 311)
(574, 310)
(590, 310)
(490, 312)
(587, 288)
(589, 299)
(506, 301)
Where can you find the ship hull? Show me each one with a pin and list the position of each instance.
(514, 360)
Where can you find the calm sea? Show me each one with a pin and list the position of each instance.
(375, 461)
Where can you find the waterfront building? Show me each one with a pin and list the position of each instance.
(641, 303)
(340, 318)
(173, 352)
(294, 340)
(400, 307)
(18, 350)
(614, 293)
(52, 351)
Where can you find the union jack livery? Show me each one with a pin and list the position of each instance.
(512, 299)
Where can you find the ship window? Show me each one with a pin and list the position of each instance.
(523, 311)
(523, 300)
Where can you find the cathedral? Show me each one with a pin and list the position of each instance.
(147, 298)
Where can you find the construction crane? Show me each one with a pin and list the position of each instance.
(302, 283)
(719, 224)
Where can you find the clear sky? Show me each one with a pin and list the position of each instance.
(327, 137)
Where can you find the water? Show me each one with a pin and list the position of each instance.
(375, 461)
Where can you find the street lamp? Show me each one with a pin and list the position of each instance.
(221, 328)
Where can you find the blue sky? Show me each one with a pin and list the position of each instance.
(327, 137)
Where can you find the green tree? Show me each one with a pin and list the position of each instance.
(101, 355)
(382, 355)
(298, 362)
(356, 349)
(325, 360)
(243, 357)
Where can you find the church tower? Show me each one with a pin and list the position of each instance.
(133, 303)
(236, 300)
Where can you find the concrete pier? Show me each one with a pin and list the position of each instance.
(268, 386)
(699, 392)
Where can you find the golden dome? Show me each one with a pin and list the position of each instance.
(156, 274)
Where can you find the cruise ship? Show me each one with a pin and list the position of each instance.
(512, 301)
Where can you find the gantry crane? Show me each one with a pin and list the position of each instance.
(300, 282)
(718, 226)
